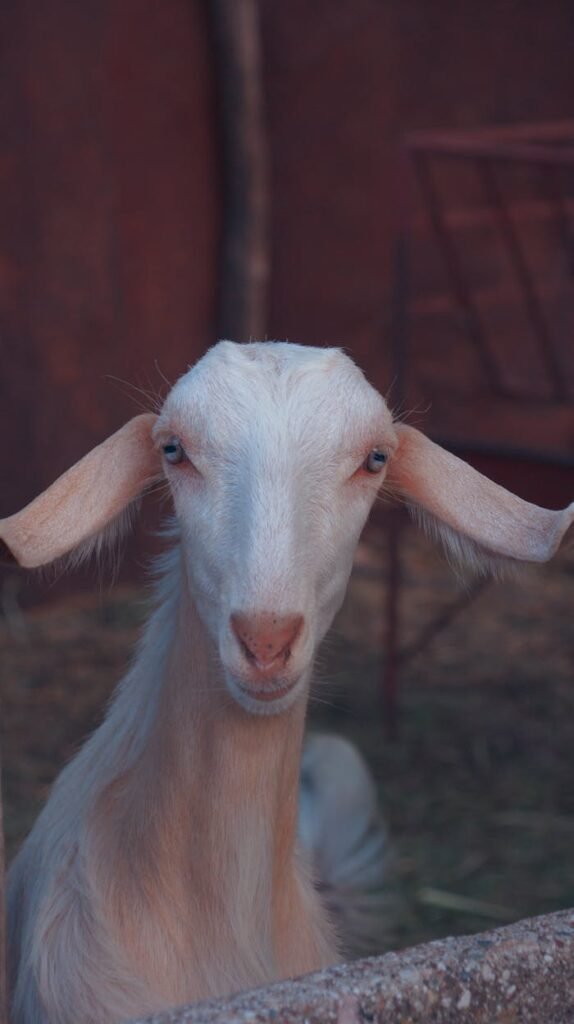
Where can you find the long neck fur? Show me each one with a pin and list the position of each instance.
(190, 837)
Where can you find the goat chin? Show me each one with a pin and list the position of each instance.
(269, 701)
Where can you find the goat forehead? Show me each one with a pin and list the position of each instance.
(271, 389)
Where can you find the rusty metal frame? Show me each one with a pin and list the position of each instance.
(528, 142)
(550, 147)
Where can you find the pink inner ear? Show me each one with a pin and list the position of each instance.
(86, 498)
(457, 496)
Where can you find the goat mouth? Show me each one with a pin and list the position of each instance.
(272, 691)
(265, 697)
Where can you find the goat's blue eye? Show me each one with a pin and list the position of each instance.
(173, 451)
(375, 461)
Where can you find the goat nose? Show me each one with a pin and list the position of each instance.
(266, 638)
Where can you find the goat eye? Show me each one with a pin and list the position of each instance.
(375, 461)
(173, 451)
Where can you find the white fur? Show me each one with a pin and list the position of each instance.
(340, 823)
(164, 867)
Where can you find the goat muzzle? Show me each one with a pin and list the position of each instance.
(266, 641)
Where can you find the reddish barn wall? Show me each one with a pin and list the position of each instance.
(344, 80)
(109, 216)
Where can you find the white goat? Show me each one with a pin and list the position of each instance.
(164, 867)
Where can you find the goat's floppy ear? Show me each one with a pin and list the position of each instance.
(82, 502)
(480, 522)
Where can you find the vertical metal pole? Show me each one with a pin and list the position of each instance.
(399, 328)
(4, 1014)
(392, 639)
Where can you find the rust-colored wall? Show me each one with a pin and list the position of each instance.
(109, 219)
(344, 79)
(330, 82)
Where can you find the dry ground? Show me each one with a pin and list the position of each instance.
(477, 788)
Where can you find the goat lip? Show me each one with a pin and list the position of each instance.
(267, 693)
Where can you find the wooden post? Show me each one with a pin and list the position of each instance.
(245, 261)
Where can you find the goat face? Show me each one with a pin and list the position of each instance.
(274, 454)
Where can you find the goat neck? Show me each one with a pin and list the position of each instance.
(210, 837)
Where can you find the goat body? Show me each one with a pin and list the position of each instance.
(165, 866)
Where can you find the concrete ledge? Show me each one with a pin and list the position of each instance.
(523, 974)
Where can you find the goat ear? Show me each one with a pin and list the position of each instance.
(481, 523)
(86, 499)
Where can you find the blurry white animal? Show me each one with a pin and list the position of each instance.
(165, 866)
(341, 826)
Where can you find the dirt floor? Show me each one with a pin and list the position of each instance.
(478, 786)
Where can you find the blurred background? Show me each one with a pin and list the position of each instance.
(389, 176)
